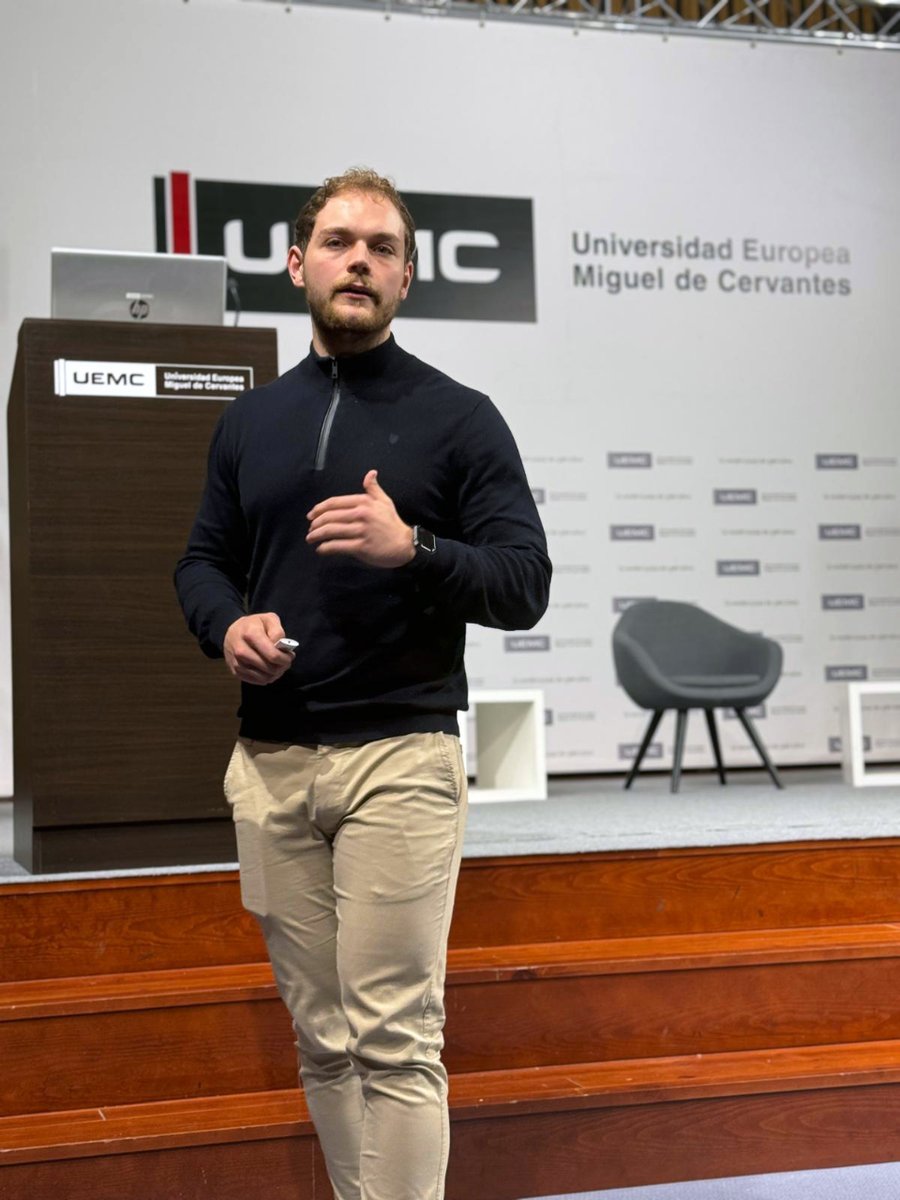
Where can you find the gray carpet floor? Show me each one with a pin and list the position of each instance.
(880, 1182)
(595, 813)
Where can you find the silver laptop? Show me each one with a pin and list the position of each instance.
(109, 285)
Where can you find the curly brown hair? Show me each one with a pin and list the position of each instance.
(356, 179)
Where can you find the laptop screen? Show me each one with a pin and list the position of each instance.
(109, 285)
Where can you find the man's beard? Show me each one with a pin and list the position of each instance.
(367, 320)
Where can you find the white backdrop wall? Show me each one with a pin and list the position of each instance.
(735, 445)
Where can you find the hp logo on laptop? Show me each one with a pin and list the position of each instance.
(139, 304)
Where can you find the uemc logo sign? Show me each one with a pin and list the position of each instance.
(734, 496)
(624, 460)
(841, 602)
(837, 462)
(737, 566)
(526, 642)
(475, 253)
(840, 533)
(632, 533)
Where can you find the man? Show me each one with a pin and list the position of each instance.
(366, 506)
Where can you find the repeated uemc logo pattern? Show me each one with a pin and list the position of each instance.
(475, 253)
(734, 496)
(628, 751)
(837, 462)
(737, 566)
(835, 602)
(756, 711)
(632, 533)
(526, 642)
(619, 459)
(621, 604)
(846, 672)
(840, 533)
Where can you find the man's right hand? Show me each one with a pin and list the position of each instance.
(250, 651)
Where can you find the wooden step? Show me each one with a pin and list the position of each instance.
(676, 952)
(133, 923)
(167, 922)
(658, 893)
(144, 1036)
(472, 965)
(516, 1133)
(473, 1096)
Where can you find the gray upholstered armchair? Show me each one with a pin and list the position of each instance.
(674, 655)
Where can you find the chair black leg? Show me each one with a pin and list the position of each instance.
(642, 750)
(680, 730)
(714, 738)
(760, 748)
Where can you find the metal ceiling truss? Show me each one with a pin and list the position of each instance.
(842, 23)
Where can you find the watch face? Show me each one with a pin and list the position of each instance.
(425, 539)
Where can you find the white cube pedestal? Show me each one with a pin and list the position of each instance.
(510, 745)
(855, 772)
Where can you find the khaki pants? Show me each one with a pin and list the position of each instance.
(349, 857)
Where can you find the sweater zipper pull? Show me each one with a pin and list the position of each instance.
(328, 420)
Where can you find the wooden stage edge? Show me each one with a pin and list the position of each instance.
(77, 881)
(614, 1018)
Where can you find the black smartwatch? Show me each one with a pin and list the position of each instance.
(423, 540)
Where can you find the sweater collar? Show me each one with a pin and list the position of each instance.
(369, 364)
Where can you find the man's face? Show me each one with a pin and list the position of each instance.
(354, 270)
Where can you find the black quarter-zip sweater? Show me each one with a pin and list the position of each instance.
(381, 649)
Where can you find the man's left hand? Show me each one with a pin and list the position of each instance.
(366, 526)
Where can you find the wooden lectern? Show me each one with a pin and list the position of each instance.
(122, 730)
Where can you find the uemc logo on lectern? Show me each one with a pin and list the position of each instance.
(475, 256)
